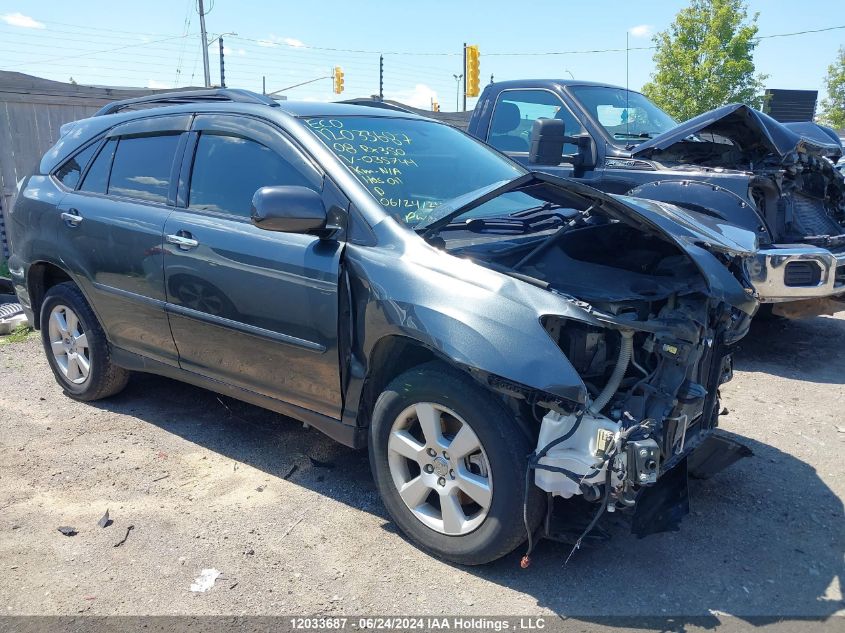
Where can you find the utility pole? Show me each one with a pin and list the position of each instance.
(222, 72)
(464, 76)
(458, 91)
(204, 45)
(264, 84)
(381, 77)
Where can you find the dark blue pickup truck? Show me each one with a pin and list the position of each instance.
(733, 163)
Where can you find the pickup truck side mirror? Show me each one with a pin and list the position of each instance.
(288, 209)
(548, 136)
(547, 139)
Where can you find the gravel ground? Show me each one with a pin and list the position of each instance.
(293, 522)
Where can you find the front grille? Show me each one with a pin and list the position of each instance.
(799, 274)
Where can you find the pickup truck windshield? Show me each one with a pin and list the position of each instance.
(412, 166)
(625, 115)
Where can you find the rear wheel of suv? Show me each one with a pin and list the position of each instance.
(76, 346)
(449, 462)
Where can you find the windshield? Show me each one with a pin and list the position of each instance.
(412, 166)
(625, 115)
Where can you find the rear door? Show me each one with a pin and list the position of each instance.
(112, 228)
(250, 307)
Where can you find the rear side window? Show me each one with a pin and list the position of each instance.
(142, 167)
(228, 170)
(97, 178)
(70, 172)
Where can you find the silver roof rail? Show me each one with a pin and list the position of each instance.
(190, 96)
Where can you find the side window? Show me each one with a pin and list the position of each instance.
(142, 167)
(228, 170)
(97, 178)
(72, 168)
(515, 113)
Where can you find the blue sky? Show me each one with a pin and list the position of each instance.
(155, 43)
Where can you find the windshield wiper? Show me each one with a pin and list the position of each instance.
(454, 207)
(637, 135)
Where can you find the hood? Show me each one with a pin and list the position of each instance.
(698, 235)
(753, 131)
(681, 224)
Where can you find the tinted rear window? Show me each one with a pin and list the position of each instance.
(97, 178)
(142, 167)
(72, 168)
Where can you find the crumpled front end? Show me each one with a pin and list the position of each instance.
(654, 385)
(662, 298)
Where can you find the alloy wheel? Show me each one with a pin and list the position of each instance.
(69, 344)
(440, 469)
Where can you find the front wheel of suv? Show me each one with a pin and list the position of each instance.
(449, 462)
(76, 346)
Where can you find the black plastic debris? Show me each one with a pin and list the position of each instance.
(716, 453)
(292, 470)
(661, 507)
(105, 521)
(123, 540)
(67, 530)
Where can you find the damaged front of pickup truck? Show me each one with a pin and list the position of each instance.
(779, 180)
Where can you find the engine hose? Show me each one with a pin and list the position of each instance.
(626, 349)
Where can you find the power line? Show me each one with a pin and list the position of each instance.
(109, 50)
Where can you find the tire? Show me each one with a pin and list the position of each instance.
(81, 343)
(492, 524)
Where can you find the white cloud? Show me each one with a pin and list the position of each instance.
(154, 84)
(273, 41)
(21, 20)
(234, 51)
(641, 30)
(420, 96)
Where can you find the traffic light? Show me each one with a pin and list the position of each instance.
(435, 107)
(472, 71)
(338, 80)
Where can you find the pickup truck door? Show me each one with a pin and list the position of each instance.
(513, 116)
(252, 308)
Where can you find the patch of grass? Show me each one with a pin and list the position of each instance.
(19, 334)
(4, 268)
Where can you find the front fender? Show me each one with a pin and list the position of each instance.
(475, 317)
(704, 197)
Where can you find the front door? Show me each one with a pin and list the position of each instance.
(253, 308)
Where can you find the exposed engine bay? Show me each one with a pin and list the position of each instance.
(652, 352)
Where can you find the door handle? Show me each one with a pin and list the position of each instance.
(182, 241)
(72, 217)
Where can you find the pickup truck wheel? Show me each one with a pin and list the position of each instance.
(76, 346)
(449, 461)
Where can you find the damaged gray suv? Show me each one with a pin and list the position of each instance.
(504, 342)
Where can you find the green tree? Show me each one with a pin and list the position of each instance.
(705, 59)
(833, 107)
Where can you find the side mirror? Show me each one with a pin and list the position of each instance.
(547, 139)
(288, 209)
